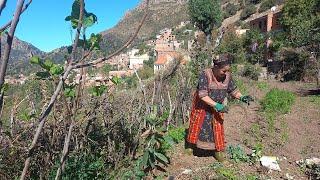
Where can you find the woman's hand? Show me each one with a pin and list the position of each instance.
(220, 107)
(246, 99)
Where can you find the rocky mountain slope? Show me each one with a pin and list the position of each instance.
(20, 54)
(162, 14)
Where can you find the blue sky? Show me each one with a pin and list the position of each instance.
(43, 24)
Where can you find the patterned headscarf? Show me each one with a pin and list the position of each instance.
(223, 60)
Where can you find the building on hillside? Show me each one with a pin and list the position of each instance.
(136, 60)
(151, 42)
(163, 59)
(268, 20)
(164, 46)
(240, 32)
(121, 61)
(120, 74)
(165, 31)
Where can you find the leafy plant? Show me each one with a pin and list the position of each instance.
(69, 90)
(205, 14)
(177, 134)
(237, 154)
(256, 152)
(98, 90)
(251, 71)
(173, 136)
(88, 20)
(83, 166)
(153, 156)
(230, 10)
(50, 69)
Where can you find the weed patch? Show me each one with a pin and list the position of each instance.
(278, 101)
(263, 86)
(237, 154)
(315, 100)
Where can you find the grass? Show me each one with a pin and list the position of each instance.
(255, 129)
(224, 172)
(315, 99)
(241, 86)
(263, 86)
(284, 131)
(278, 101)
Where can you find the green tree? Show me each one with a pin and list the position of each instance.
(206, 15)
(230, 10)
(266, 4)
(301, 20)
(248, 11)
(232, 44)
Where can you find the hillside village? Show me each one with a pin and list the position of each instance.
(165, 47)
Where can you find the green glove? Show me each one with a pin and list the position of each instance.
(220, 108)
(246, 99)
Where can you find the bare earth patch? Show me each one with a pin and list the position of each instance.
(296, 136)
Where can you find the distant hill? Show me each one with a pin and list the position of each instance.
(20, 54)
(163, 13)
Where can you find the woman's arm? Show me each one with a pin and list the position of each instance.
(237, 95)
(208, 101)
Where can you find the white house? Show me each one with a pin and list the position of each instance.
(135, 60)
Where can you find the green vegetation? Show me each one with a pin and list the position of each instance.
(230, 10)
(237, 154)
(251, 71)
(205, 14)
(248, 11)
(266, 5)
(241, 86)
(275, 103)
(302, 28)
(263, 86)
(315, 99)
(278, 101)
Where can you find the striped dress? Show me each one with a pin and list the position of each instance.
(206, 125)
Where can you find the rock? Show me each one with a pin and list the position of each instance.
(270, 162)
(313, 161)
(288, 176)
(309, 162)
(187, 171)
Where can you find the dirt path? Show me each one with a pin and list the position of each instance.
(298, 133)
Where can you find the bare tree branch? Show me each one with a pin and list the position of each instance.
(10, 22)
(10, 35)
(143, 91)
(69, 67)
(100, 60)
(2, 5)
(47, 111)
(14, 112)
(66, 144)
(42, 119)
